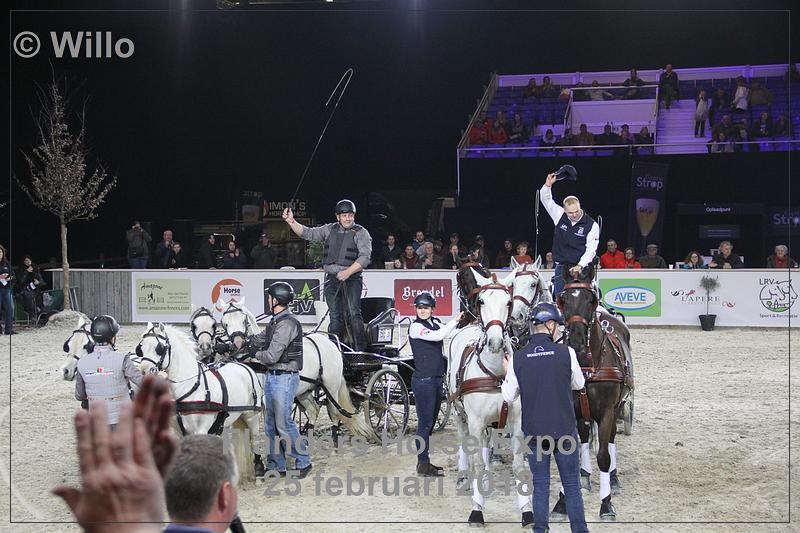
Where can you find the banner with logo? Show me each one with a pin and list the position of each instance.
(647, 204)
(632, 297)
(162, 296)
(306, 292)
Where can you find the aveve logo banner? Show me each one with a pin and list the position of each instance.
(405, 290)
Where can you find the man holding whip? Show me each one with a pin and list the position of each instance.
(576, 233)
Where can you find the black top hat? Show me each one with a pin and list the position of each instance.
(567, 172)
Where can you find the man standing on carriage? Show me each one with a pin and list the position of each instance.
(104, 373)
(544, 374)
(280, 348)
(348, 248)
(575, 238)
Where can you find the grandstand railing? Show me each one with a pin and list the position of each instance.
(652, 120)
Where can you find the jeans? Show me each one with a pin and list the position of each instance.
(279, 392)
(569, 471)
(427, 399)
(7, 307)
(137, 262)
(344, 298)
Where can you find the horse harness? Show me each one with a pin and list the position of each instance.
(89, 341)
(202, 312)
(232, 336)
(185, 407)
(591, 372)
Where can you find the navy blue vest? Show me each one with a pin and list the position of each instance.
(428, 359)
(569, 242)
(544, 373)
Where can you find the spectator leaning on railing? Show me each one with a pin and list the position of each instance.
(693, 261)
(725, 258)
(651, 259)
(781, 259)
(633, 83)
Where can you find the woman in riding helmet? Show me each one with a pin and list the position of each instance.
(427, 336)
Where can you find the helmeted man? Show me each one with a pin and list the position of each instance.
(544, 374)
(280, 348)
(575, 238)
(348, 248)
(104, 374)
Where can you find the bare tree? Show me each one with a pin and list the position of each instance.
(60, 182)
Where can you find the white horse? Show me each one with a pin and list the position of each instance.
(528, 288)
(477, 410)
(203, 326)
(165, 348)
(76, 346)
(321, 360)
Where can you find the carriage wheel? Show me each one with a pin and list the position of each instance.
(443, 417)
(387, 404)
(300, 417)
(627, 415)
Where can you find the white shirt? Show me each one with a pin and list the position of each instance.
(740, 98)
(418, 331)
(556, 212)
(510, 386)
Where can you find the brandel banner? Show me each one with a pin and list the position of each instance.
(405, 290)
(647, 203)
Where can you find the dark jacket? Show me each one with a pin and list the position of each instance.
(25, 279)
(386, 255)
(262, 256)
(230, 260)
(205, 256)
(162, 254)
(5, 268)
(734, 260)
(179, 260)
(138, 243)
(655, 261)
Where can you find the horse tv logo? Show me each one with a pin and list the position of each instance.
(229, 289)
(405, 290)
(633, 297)
(777, 295)
(305, 292)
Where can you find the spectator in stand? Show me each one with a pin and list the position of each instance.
(522, 256)
(764, 126)
(701, 110)
(456, 239)
(548, 140)
(625, 138)
(476, 255)
(742, 144)
(782, 127)
(548, 90)
(630, 259)
(608, 137)
(720, 143)
(549, 262)
(530, 90)
(644, 136)
(453, 260)
(178, 258)
(740, 96)
(567, 139)
(598, 94)
(781, 259)
(726, 126)
(163, 249)
(6, 298)
(719, 104)
(725, 258)
(584, 137)
(234, 257)
(759, 94)
(579, 94)
(519, 131)
(613, 258)
(262, 254)
(430, 259)
(138, 246)
(29, 284)
(500, 118)
(484, 250)
(419, 240)
(503, 257)
(205, 255)
(694, 261)
(651, 259)
(479, 131)
(389, 251)
(633, 83)
(409, 259)
(792, 75)
(668, 88)
(498, 135)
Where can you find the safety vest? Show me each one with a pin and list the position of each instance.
(428, 360)
(292, 356)
(340, 246)
(103, 373)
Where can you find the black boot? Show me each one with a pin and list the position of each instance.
(258, 466)
(428, 470)
(561, 505)
(527, 518)
(476, 518)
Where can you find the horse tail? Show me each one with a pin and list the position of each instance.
(355, 423)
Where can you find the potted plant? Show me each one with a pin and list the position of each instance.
(709, 284)
(315, 252)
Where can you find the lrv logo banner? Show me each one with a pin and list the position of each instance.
(647, 204)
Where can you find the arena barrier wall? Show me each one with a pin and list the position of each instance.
(747, 297)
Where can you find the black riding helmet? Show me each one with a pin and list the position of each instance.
(424, 299)
(282, 292)
(104, 328)
(544, 312)
(345, 206)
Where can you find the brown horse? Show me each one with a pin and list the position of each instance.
(467, 286)
(602, 343)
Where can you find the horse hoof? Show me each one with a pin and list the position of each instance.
(527, 518)
(476, 518)
(461, 483)
(586, 480)
(560, 506)
(616, 484)
(607, 510)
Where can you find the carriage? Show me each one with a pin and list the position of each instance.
(379, 377)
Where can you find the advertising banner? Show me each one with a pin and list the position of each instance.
(647, 203)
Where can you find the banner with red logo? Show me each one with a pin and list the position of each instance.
(405, 290)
